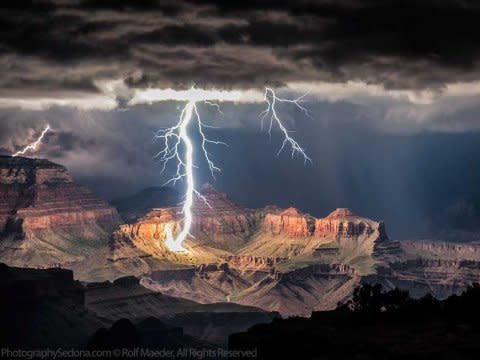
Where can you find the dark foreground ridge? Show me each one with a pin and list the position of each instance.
(45, 309)
(375, 325)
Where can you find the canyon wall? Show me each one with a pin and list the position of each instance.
(43, 213)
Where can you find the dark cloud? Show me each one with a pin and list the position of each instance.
(400, 44)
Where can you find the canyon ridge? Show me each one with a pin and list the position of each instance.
(272, 259)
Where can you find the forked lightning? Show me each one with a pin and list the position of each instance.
(178, 147)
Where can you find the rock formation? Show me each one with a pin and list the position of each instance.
(45, 217)
(254, 257)
(422, 267)
(219, 226)
(339, 237)
(289, 222)
(221, 222)
(342, 222)
(269, 232)
(275, 259)
(442, 250)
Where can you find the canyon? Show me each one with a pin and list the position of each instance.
(278, 260)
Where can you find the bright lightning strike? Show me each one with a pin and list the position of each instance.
(173, 139)
(176, 141)
(33, 146)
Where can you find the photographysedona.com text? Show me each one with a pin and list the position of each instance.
(140, 353)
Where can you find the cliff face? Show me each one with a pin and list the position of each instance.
(267, 232)
(289, 222)
(435, 267)
(221, 223)
(340, 237)
(440, 278)
(43, 212)
(18, 179)
(260, 257)
(219, 227)
(248, 262)
(442, 250)
(341, 222)
(299, 291)
(65, 205)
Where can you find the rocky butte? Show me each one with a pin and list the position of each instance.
(276, 259)
(46, 218)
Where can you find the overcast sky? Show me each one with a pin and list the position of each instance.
(392, 87)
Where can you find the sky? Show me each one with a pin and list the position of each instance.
(391, 87)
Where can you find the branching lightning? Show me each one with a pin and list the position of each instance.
(271, 99)
(33, 146)
(173, 139)
(178, 148)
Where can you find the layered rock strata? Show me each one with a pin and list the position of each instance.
(45, 215)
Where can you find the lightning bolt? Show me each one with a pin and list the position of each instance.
(271, 99)
(173, 139)
(178, 147)
(33, 146)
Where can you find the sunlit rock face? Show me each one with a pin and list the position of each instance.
(289, 222)
(340, 237)
(44, 214)
(147, 236)
(248, 262)
(342, 222)
(219, 226)
(287, 261)
(277, 259)
(268, 232)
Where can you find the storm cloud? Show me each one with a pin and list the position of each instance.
(392, 88)
(51, 46)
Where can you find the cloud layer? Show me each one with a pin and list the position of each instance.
(62, 47)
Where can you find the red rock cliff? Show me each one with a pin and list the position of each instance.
(290, 222)
(342, 222)
(37, 195)
(218, 221)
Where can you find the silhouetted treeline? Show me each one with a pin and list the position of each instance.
(375, 324)
(372, 299)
